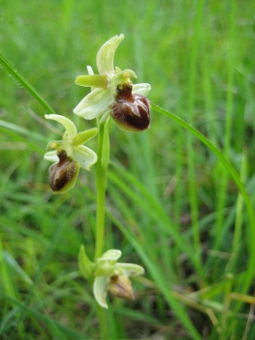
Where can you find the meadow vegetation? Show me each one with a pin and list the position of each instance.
(180, 196)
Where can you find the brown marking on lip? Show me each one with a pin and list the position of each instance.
(130, 112)
(62, 172)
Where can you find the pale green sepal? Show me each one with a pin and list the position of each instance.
(67, 123)
(51, 156)
(111, 255)
(84, 156)
(142, 89)
(92, 81)
(85, 265)
(84, 136)
(105, 55)
(99, 290)
(130, 269)
(94, 104)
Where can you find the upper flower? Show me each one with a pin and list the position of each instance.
(69, 155)
(105, 86)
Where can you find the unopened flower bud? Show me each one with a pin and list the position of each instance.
(63, 174)
(121, 287)
(131, 112)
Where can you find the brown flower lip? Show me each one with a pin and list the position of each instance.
(62, 172)
(130, 112)
(121, 287)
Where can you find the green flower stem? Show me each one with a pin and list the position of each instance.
(101, 312)
(101, 182)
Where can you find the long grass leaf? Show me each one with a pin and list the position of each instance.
(22, 81)
(232, 172)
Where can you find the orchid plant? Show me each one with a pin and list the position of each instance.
(112, 95)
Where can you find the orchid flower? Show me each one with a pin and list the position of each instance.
(113, 86)
(114, 276)
(69, 155)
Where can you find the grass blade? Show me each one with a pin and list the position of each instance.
(22, 81)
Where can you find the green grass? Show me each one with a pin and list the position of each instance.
(180, 197)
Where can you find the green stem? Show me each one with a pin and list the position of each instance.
(101, 182)
(103, 322)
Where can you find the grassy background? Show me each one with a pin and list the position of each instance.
(171, 206)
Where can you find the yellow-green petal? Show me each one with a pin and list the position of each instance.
(84, 136)
(92, 81)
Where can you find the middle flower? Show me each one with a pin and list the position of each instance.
(105, 87)
(69, 155)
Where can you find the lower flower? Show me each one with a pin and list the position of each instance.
(113, 277)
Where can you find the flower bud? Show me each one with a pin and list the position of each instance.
(63, 174)
(130, 112)
(121, 287)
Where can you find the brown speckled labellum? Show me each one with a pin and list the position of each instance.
(121, 287)
(131, 112)
(63, 174)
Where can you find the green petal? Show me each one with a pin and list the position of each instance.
(105, 55)
(94, 104)
(142, 89)
(92, 81)
(84, 156)
(84, 136)
(111, 255)
(51, 156)
(130, 269)
(99, 290)
(67, 123)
